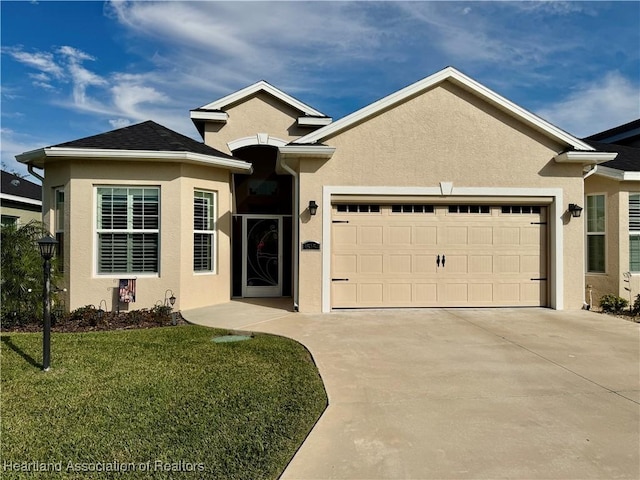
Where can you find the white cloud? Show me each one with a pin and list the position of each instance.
(593, 107)
(119, 122)
(43, 61)
(14, 143)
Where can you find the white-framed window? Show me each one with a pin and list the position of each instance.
(128, 229)
(59, 225)
(9, 220)
(204, 231)
(634, 232)
(596, 233)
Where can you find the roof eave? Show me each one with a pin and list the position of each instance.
(615, 174)
(323, 152)
(37, 157)
(585, 158)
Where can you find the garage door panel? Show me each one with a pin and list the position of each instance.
(371, 264)
(480, 293)
(453, 235)
(424, 264)
(345, 264)
(482, 264)
(455, 264)
(371, 235)
(389, 258)
(400, 263)
(481, 235)
(371, 293)
(425, 236)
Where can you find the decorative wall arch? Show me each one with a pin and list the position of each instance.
(257, 139)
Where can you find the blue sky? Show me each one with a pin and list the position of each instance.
(73, 69)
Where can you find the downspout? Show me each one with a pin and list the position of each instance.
(590, 172)
(30, 170)
(296, 229)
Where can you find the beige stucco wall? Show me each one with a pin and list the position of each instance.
(616, 239)
(260, 113)
(443, 135)
(176, 182)
(23, 215)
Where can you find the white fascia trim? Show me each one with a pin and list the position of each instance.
(16, 198)
(556, 211)
(221, 117)
(322, 151)
(314, 121)
(256, 87)
(616, 174)
(258, 139)
(468, 84)
(585, 157)
(145, 155)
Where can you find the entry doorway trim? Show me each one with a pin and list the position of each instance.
(556, 248)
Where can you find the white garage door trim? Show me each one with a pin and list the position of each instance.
(556, 280)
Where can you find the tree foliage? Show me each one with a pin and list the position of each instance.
(21, 280)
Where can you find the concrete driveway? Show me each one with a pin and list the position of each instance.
(469, 393)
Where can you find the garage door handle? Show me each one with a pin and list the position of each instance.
(438, 261)
(339, 279)
(443, 260)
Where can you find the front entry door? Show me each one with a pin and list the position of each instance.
(262, 256)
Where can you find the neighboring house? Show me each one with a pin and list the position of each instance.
(441, 194)
(612, 191)
(21, 200)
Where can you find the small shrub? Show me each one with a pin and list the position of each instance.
(612, 303)
(635, 310)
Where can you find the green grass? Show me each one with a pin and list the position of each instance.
(229, 410)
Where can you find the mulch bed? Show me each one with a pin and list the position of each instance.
(113, 322)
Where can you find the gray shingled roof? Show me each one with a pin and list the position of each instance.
(628, 158)
(144, 136)
(13, 185)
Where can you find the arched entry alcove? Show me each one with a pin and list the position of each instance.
(262, 226)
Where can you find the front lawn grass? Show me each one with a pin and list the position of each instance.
(153, 400)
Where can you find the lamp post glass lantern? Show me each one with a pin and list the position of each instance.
(47, 247)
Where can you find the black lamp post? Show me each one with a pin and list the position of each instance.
(171, 301)
(47, 251)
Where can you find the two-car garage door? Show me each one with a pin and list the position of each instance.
(424, 255)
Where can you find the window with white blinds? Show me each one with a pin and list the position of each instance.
(634, 232)
(596, 233)
(128, 229)
(203, 231)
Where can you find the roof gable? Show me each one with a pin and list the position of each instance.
(452, 75)
(261, 86)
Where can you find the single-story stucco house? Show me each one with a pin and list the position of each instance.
(441, 194)
(20, 200)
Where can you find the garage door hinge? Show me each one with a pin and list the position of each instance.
(538, 279)
(340, 221)
(339, 279)
(538, 223)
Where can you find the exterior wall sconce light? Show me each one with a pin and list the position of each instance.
(47, 247)
(575, 210)
(313, 207)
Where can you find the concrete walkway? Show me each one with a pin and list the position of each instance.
(465, 393)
